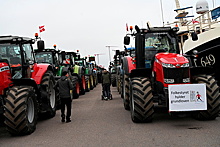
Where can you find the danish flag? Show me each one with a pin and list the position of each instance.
(41, 28)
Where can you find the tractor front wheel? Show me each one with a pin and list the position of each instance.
(126, 96)
(141, 100)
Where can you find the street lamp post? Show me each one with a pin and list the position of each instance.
(109, 46)
(98, 56)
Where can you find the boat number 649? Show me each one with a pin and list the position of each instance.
(208, 60)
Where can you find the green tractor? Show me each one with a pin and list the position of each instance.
(89, 82)
(78, 72)
(93, 69)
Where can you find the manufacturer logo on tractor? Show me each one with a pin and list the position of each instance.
(178, 65)
(4, 68)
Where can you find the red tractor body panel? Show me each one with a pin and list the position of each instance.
(176, 60)
(131, 64)
(5, 77)
(38, 72)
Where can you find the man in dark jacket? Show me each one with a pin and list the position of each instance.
(106, 83)
(65, 88)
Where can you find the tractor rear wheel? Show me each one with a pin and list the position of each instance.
(213, 98)
(126, 96)
(21, 110)
(49, 94)
(141, 100)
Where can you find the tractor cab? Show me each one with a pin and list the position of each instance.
(47, 56)
(67, 58)
(17, 53)
(152, 41)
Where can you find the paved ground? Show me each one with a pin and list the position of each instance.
(97, 123)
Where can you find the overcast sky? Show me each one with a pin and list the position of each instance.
(85, 25)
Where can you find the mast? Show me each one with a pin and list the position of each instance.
(177, 4)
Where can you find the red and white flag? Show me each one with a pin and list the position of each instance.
(41, 28)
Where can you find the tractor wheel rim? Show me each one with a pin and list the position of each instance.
(30, 110)
(77, 88)
(52, 95)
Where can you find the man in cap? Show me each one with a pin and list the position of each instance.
(65, 86)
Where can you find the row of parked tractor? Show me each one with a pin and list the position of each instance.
(149, 73)
(27, 81)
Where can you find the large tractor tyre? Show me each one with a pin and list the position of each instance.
(87, 83)
(83, 85)
(113, 78)
(141, 100)
(91, 79)
(21, 110)
(95, 80)
(126, 99)
(49, 94)
(76, 85)
(122, 87)
(213, 98)
(119, 84)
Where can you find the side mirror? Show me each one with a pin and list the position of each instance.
(126, 40)
(194, 36)
(40, 45)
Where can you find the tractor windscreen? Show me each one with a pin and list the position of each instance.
(161, 42)
(10, 54)
(44, 57)
(80, 63)
(156, 43)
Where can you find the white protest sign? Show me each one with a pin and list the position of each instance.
(187, 97)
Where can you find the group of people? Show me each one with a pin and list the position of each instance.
(65, 87)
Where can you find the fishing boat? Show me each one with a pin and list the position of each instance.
(204, 51)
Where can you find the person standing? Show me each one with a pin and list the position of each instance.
(65, 88)
(106, 83)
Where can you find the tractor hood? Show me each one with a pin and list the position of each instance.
(171, 58)
(5, 76)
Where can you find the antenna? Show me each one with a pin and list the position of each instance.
(162, 11)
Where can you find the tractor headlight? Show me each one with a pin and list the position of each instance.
(185, 65)
(168, 65)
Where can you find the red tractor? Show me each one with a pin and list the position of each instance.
(158, 74)
(26, 89)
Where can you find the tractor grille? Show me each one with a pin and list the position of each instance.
(178, 75)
